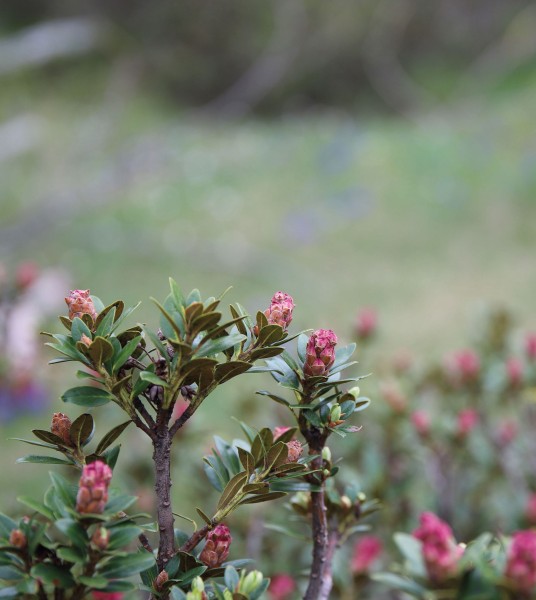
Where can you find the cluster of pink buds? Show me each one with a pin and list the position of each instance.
(282, 586)
(80, 303)
(320, 353)
(280, 310)
(61, 426)
(366, 323)
(216, 549)
(101, 538)
(467, 421)
(93, 488)
(440, 552)
(366, 551)
(521, 561)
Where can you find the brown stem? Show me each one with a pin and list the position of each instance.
(195, 538)
(192, 407)
(162, 462)
(145, 542)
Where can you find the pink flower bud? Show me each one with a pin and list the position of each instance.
(282, 587)
(101, 538)
(17, 539)
(394, 396)
(467, 420)
(521, 561)
(421, 422)
(530, 346)
(440, 552)
(514, 371)
(366, 551)
(216, 548)
(295, 450)
(79, 304)
(530, 509)
(320, 353)
(280, 311)
(463, 367)
(93, 488)
(61, 426)
(366, 323)
(107, 595)
(279, 431)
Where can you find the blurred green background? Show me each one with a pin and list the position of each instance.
(356, 154)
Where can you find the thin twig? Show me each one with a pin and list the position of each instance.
(195, 538)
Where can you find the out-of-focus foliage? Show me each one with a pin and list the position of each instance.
(235, 55)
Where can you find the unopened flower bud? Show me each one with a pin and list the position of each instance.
(86, 340)
(366, 551)
(281, 587)
(17, 539)
(335, 413)
(421, 422)
(320, 353)
(61, 426)
(80, 303)
(93, 488)
(280, 311)
(345, 503)
(326, 454)
(326, 473)
(160, 580)
(250, 582)
(355, 391)
(216, 548)
(295, 450)
(301, 503)
(366, 323)
(198, 585)
(101, 538)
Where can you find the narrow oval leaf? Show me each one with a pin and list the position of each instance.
(111, 436)
(87, 396)
(82, 430)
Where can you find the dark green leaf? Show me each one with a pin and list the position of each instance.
(48, 437)
(87, 396)
(246, 458)
(277, 399)
(100, 350)
(231, 577)
(53, 575)
(263, 498)
(176, 294)
(126, 353)
(225, 371)
(78, 329)
(111, 455)
(270, 334)
(43, 460)
(111, 436)
(203, 516)
(152, 378)
(119, 567)
(122, 535)
(37, 506)
(266, 353)
(220, 344)
(232, 489)
(400, 583)
(82, 430)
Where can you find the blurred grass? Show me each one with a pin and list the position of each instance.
(420, 221)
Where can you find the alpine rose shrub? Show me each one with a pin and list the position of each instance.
(93, 488)
(440, 552)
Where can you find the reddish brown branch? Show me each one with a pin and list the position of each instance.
(195, 538)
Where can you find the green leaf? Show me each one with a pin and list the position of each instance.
(220, 344)
(53, 575)
(74, 555)
(176, 294)
(361, 404)
(232, 489)
(203, 516)
(119, 567)
(270, 334)
(78, 329)
(34, 443)
(43, 460)
(64, 489)
(100, 350)
(247, 460)
(400, 583)
(225, 371)
(122, 535)
(270, 352)
(94, 582)
(6, 525)
(126, 353)
(343, 354)
(194, 296)
(49, 437)
(152, 378)
(175, 329)
(87, 396)
(231, 577)
(228, 455)
(82, 430)
(37, 506)
(105, 321)
(110, 437)
(277, 399)
(411, 549)
(110, 456)
(263, 498)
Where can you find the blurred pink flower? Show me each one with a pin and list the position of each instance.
(530, 509)
(281, 587)
(530, 346)
(521, 561)
(279, 431)
(107, 595)
(366, 551)
(463, 366)
(27, 272)
(467, 420)
(514, 371)
(366, 323)
(439, 549)
(506, 432)
(421, 422)
(393, 395)
(320, 353)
